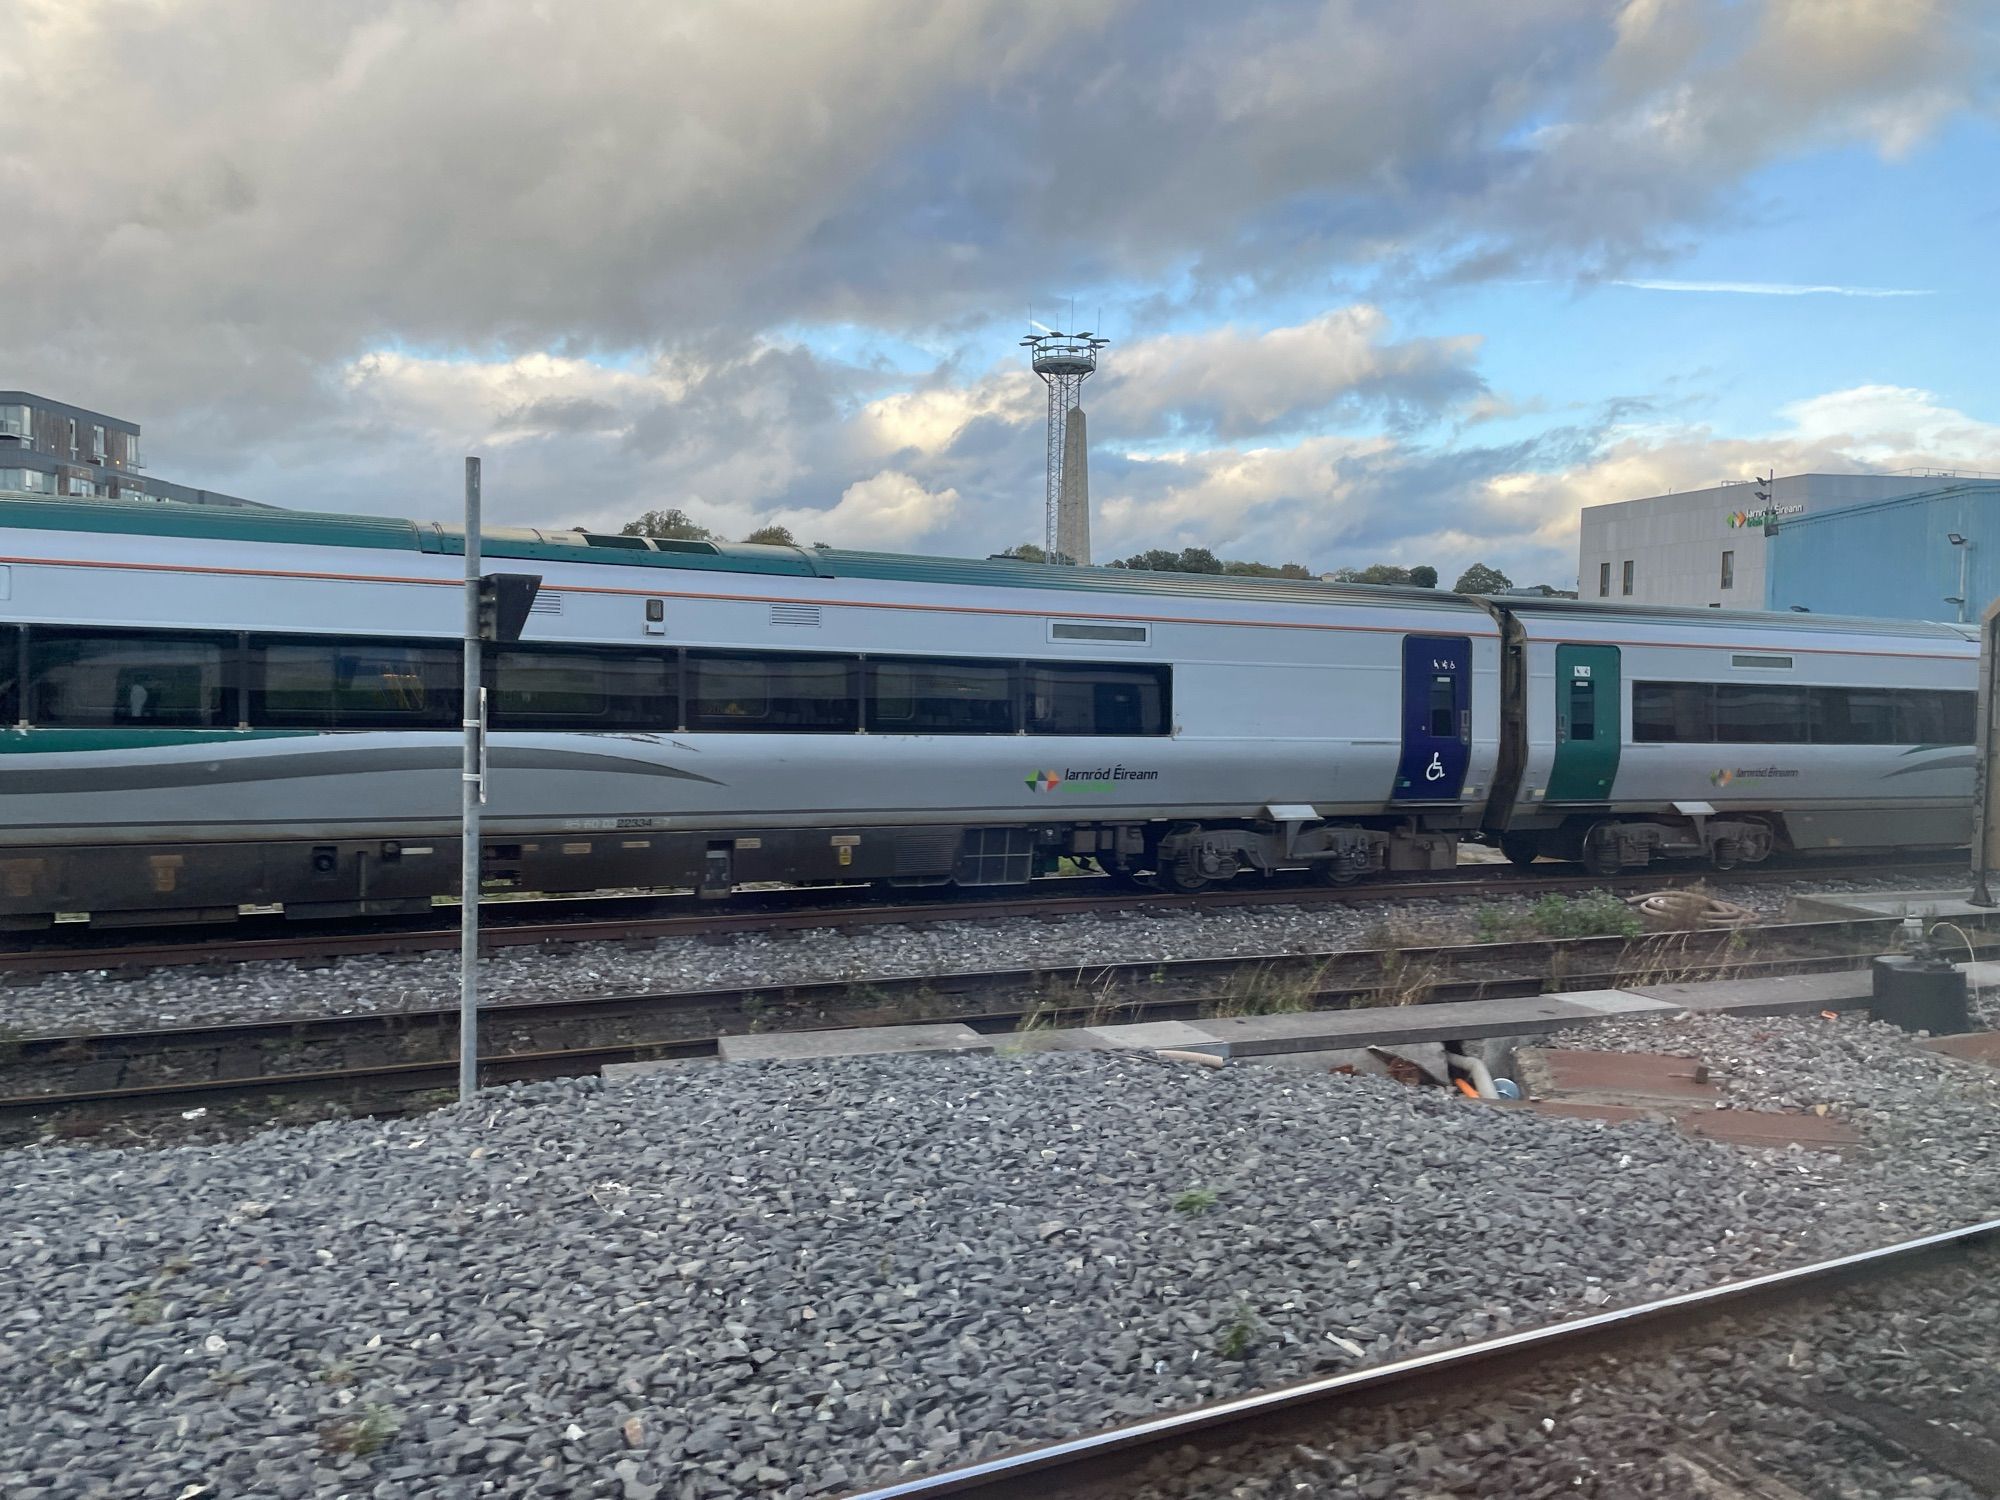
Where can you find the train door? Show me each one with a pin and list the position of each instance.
(1587, 724)
(1437, 718)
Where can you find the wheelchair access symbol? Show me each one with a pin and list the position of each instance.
(1435, 770)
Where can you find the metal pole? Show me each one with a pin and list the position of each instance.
(469, 800)
(1964, 604)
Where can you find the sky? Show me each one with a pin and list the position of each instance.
(1402, 281)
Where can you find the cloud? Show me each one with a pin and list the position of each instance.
(324, 251)
(217, 203)
(1771, 288)
(888, 511)
(1235, 383)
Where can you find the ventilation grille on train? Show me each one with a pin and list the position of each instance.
(547, 602)
(796, 614)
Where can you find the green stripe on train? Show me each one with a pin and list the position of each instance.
(80, 741)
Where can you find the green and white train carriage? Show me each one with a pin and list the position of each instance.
(215, 708)
(1644, 732)
(208, 709)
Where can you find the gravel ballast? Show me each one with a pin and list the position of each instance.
(793, 1279)
(1787, 1395)
(107, 1000)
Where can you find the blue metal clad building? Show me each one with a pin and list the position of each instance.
(1929, 556)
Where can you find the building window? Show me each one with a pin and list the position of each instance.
(78, 485)
(16, 422)
(1729, 570)
(97, 443)
(1627, 577)
(1604, 580)
(132, 458)
(72, 437)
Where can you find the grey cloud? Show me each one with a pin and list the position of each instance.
(225, 196)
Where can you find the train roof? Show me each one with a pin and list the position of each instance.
(317, 529)
(330, 529)
(1802, 621)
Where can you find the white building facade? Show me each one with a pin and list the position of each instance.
(1706, 546)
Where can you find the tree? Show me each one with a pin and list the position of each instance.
(673, 524)
(1159, 560)
(1424, 576)
(1387, 573)
(1239, 569)
(771, 536)
(1026, 552)
(1480, 579)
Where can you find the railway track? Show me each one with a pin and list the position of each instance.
(1229, 1435)
(70, 948)
(375, 1058)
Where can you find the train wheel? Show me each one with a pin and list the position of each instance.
(1521, 848)
(1725, 854)
(1600, 855)
(1335, 872)
(1182, 876)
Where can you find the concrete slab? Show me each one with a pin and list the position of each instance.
(1149, 1036)
(1615, 1002)
(858, 1041)
(1459, 1020)
(1748, 1127)
(1781, 995)
(1949, 903)
(1970, 1046)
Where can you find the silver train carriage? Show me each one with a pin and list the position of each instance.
(212, 709)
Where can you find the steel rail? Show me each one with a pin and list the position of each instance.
(421, 1073)
(1070, 979)
(1040, 1473)
(52, 951)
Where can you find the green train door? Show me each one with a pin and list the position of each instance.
(1587, 715)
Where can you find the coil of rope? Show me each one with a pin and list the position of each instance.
(1687, 910)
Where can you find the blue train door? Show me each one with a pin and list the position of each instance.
(1437, 718)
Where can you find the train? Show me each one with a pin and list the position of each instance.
(212, 709)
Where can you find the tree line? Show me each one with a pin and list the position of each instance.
(675, 524)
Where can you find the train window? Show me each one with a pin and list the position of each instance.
(1582, 709)
(584, 690)
(941, 697)
(353, 684)
(1673, 713)
(78, 677)
(1748, 713)
(1443, 707)
(1930, 717)
(797, 694)
(1855, 716)
(1109, 700)
(10, 674)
